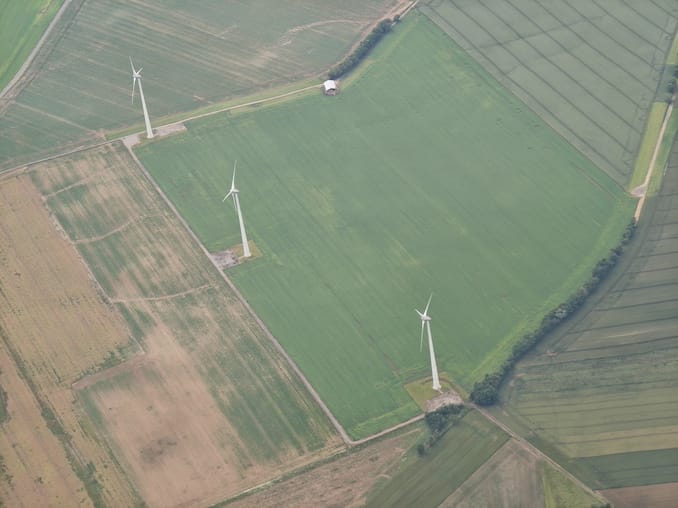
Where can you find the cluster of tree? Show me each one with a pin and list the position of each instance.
(438, 422)
(351, 61)
(673, 83)
(486, 392)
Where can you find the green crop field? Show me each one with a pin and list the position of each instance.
(602, 393)
(193, 54)
(21, 26)
(245, 415)
(590, 69)
(429, 480)
(423, 176)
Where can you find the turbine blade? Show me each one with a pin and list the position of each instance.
(429, 303)
(140, 69)
(421, 340)
(235, 166)
(227, 196)
(132, 65)
(134, 87)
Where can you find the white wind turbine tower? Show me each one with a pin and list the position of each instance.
(136, 77)
(426, 321)
(236, 202)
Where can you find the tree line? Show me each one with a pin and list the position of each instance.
(351, 61)
(486, 392)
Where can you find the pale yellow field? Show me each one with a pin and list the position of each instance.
(36, 469)
(56, 327)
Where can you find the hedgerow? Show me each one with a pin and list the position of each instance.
(486, 392)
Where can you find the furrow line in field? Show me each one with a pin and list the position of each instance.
(541, 78)
(536, 452)
(590, 68)
(531, 101)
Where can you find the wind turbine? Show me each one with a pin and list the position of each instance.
(426, 321)
(236, 202)
(136, 77)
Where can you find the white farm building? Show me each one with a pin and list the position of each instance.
(330, 87)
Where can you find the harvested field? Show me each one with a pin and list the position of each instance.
(193, 54)
(601, 393)
(342, 482)
(657, 496)
(591, 69)
(357, 227)
(55, 328)
(211, 408)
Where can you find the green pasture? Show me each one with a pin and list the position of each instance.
(561, 492)
(193, 55)
(423, 176)
(429, 480)
(649, 467)
(600, 394)
(591, 70)
(250, 383)
(21, 26)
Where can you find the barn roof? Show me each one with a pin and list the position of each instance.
(330, 85)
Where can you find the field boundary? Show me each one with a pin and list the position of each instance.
(314, 394)
(335, 422)
(643, 189)
(29, 60)
(536, 452)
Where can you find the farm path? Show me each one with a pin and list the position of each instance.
(20, 73)
(641, 190)
(114, 231)
(536, 452)
(162, 298)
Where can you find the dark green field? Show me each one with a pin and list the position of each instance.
(591, 69)
(423, 176)
(601, 393)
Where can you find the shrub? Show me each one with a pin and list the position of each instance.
(351, 61)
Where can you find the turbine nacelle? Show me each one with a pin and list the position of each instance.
(234, 190)
(136, 76)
